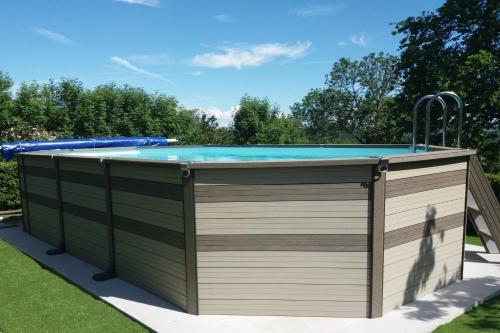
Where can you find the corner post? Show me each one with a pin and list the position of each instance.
(24, 195)
(190, 241)
(110, 272)
(377, 244)
(465, 217)
(61, 248)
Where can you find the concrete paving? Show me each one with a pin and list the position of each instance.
(481, 281)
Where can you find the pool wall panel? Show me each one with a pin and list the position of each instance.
(148, 219)
(284, 241)
(40, 190)
(424, 224)
(84, 211)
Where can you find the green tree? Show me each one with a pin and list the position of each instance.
(252, 116)
(454, 48)
(357, 100)
(209, 132)
(282, 130)
(6, 105)
(258, 121)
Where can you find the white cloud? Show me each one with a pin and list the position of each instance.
(342, 43)
(316, 10)
(360, 39)
(224, 18)
(224, 118)
(243, 56)
(139, 71)
(149, 3)
(150, 59)
(55, 36)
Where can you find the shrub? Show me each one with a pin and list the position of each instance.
(494, 179)
(9, 186)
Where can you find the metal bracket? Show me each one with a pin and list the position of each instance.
(106, 275)
(53, 252)
(383, 165)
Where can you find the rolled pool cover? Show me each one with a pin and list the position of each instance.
(9, 149)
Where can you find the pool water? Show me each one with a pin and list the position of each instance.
(235, 154)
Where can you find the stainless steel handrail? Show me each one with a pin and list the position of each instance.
(460, 105)
(415, 113)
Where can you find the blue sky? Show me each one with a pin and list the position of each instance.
(205, 53)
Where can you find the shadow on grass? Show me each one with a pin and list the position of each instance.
(485, 317)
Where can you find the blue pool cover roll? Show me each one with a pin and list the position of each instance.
(9, 149)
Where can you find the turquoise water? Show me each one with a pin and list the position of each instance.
(235, 154)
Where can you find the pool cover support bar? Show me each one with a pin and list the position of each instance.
(61, 248)
(110, 272)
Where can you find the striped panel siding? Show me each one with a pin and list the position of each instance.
(302, 192)
(148, 222)
(84, 211)
(422, 230)
(424, 220)
(311, 175)
(228, 279)
(417, 184)
(283, 217)
(284, 241)
(416, 170)
(423, 206)
(41, 195)
(292, 242)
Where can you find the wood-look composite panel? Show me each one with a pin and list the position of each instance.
(148, 219)
(84, 210)
(40, 192)
(424, 221)
(284, 241)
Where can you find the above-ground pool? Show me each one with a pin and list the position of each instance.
(250, 153)
(334, 230)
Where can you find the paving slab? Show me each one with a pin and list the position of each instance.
(481, 281)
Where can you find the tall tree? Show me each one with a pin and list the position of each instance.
(258, 121)
(252, 116)
(6, 105)
(455, 48)
(357, 100)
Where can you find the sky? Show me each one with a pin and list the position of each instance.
(207, 54)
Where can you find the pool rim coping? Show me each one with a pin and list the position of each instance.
(437, 152)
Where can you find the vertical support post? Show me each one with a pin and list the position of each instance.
(110, 272)
(378, 226)
(465, 217)
(24, 195)
(190, 242)
(61, 248)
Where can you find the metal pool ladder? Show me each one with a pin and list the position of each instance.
(431, 99)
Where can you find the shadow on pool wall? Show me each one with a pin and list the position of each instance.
(422, 269)
(424, 230)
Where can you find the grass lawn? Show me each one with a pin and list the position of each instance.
(484, 318)
(33, 299)
(473, 240)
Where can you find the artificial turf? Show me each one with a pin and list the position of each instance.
(473, 240)
(33, 299)
(482, 319)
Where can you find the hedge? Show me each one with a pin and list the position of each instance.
(494, 179)
(9, 187)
